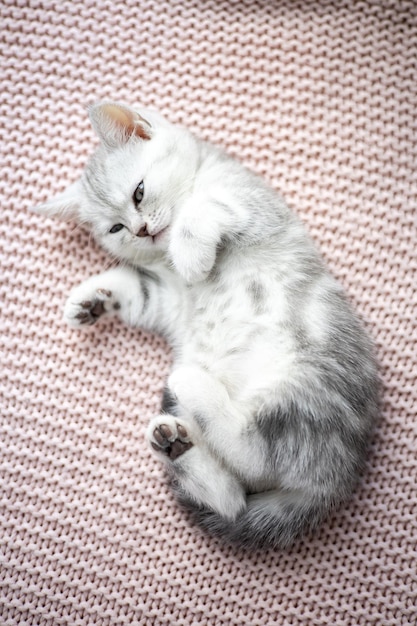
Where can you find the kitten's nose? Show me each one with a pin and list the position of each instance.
(143, 231)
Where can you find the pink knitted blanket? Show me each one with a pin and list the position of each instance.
(320, 98)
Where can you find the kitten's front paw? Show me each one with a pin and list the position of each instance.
(192, 258)
(85, 306)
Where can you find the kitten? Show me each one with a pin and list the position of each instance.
(268, 411)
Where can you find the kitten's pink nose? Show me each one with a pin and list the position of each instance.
(143, 231)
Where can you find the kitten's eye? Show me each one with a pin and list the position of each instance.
(139, 193)
(116, 228)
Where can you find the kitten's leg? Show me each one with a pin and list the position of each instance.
(199, 476)
(224, 426)
(138, 297)
(198, 231)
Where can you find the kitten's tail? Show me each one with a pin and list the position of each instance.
(274, 518)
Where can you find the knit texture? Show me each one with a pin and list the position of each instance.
(320, 98)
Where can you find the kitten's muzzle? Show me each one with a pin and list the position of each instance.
(143, 231)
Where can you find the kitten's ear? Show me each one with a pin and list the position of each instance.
(64, 206)
(116, 123)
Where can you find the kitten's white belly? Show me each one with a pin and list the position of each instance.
(249, 356)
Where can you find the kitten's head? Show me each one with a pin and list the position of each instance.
(133, 185)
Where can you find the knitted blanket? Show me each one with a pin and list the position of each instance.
(320, 98)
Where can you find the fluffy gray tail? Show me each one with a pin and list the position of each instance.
(275, 519)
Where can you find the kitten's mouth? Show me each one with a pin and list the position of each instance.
(159, 235)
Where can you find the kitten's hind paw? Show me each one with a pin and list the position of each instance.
(169, 437)
(84, 309)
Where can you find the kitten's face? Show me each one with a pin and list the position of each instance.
(134, 184)
(131, 196)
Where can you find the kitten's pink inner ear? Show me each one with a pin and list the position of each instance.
(129, 122)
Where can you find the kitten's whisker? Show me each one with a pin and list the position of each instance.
(112, 262)
(79, 227)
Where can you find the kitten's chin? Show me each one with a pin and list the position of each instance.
(143, 257)
(142, 251)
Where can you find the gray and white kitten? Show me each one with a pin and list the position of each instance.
(268, 410)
